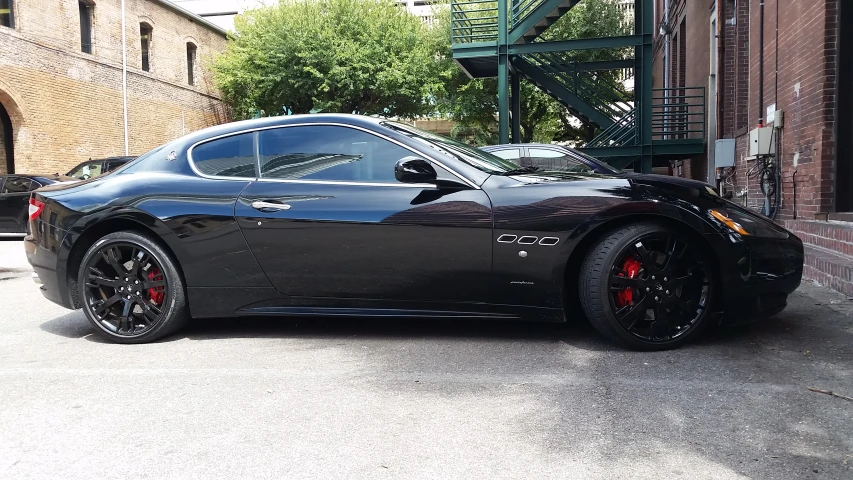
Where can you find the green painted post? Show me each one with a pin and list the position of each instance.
(503, 73)
(645, 54)
(516, 107)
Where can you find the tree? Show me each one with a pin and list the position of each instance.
(352, 56)
(473, 103)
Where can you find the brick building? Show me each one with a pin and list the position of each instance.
(788, 65)
(61, 81)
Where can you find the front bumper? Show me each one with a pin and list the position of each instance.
(765, 272)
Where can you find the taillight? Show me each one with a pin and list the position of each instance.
(36, 206)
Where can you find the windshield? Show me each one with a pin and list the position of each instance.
(478, 159)
(86, 171)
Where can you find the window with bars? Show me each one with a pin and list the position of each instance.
(191, 52)
(7, 13)
(145, 44)
(86, 10)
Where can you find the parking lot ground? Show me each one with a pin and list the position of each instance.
(320, 398)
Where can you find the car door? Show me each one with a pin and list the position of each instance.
(14, 204)
(328, 219)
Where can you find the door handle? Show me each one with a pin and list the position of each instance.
(269, 206)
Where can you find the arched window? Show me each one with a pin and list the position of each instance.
(191, 53)
(7, 13)
(145, 31)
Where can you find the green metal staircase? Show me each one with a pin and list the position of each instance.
(503, 39)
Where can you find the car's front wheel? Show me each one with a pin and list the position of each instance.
(647, 287)
(131, 289)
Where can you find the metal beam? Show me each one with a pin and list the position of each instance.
(503, 74)
(474, 50)
(592, 66)
(516, 106)
(578, 44)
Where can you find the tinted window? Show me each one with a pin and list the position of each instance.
(232, 156)
(16, 185)
(557, 161)
(324, 152)
(508, 154)
(34, 185)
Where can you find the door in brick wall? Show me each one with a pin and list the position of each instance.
(7, 158)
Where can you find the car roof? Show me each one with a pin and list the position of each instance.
(232, 127)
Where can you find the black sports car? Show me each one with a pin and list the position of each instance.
(15, 197)
(352, 216)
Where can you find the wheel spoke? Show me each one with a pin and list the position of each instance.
(645, 257)
(693, 274)
(111, 256)
(674, 250)
(618, 282)
(154, 283)
(96, 279)
(140, 258)
(630, 314)
(101, 306)
(125, 316)
(151, 312)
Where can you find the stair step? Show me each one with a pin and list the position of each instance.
(833, 236)
(829, 269)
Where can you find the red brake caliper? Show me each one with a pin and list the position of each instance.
(626, 296)
(156, 293)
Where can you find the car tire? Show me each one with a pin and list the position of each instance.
(632, 300)
(128, 268)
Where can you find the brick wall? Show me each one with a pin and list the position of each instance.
(66, 105)
(804, 89)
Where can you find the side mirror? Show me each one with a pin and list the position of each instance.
(414, 170)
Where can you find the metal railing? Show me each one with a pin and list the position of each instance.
(473, 21)
(678, 113)
(622, 133)
(522, 8)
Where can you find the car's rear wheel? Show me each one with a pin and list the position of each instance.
(131, 290)
(647, 287)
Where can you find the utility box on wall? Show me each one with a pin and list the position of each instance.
(724, 153)
(761, 142)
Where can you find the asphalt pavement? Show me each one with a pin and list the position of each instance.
(327, 399)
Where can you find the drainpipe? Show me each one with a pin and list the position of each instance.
(761, 64)
(124, 74)
(667, 60)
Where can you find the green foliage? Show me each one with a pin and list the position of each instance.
(473, 103)
(352, 56)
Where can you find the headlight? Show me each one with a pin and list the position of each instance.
(748, 223)
(725, 220)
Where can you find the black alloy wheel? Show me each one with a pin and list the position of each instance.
(647, 287)
(130, 289)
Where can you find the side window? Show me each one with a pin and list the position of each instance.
(87, 170)
(508, 154)
(34, 185)
(16, 185)
(325, 152)
(232, 156)
(545, 153)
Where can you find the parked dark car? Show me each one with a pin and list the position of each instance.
(350, 216)
(14, 200)
(94, 168)
(549, 157)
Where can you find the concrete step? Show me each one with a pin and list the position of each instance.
(829, 268)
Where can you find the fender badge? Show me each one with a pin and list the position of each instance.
(172, 156)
